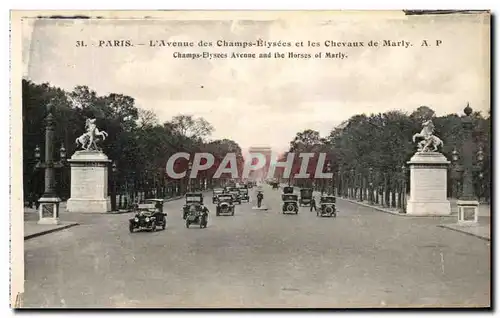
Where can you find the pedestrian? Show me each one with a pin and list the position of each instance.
(313, 204)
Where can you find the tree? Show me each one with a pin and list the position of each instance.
(191, 127)
(305, 140)
(147, 118)
(422, 114)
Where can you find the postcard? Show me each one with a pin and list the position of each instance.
(250, 159)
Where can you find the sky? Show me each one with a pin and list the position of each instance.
(265, 102)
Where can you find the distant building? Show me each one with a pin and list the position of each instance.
(261, 173)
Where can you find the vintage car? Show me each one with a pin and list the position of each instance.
(216, 192)
(305, 196)
(192, 198)
(244, 194)
(235, 192)
(290, 204)
(327, 206)
(288, 190)
(224, 205)
(148, 216)
(197, 214)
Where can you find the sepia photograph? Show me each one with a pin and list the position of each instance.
(251, 159)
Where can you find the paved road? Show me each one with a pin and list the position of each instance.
(257, 258)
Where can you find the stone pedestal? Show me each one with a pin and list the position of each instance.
(48, 211)
(89, 182)
(428, 185)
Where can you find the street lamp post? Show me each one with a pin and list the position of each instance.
(49, 202)
(351, 183)
(403, 190)
(328, 170)
(361, 179)
(467, 201)
(340, 184)
(188, 175)
(370, 185)
(113, 186)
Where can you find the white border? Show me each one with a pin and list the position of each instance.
(185, 4)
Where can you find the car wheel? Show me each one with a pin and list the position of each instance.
(153, 227)
(164, 225)
(232, 212)
(187, 224)
(131, 228)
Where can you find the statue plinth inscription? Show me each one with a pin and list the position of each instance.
(428, 176)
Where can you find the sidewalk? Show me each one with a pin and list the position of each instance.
(32, 229)
(481, 230)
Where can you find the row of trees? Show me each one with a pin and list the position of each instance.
(138, 143)
(383, 142)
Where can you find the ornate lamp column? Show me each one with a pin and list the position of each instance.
(467, 202)
(49, 202)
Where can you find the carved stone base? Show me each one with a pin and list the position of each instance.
(428, 182)
(428, 208)
(48, 211)
(88, 205)
(89, 182)
(468, 211)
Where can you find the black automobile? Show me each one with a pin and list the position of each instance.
(197, 214)
(244, 194)
(148, 216)
(216, 192)
(224, 205)
(192, 198)
(290, 203)
(288, 190)
(235, 192)
(327, 206)
(305, 196)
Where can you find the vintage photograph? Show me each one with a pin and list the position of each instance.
(251, 159)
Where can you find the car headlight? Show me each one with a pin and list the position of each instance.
(136, 219)
(147, 219)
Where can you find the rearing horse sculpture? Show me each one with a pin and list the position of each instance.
(429, 140)
(87, 141)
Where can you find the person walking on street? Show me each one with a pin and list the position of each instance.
(313, 204)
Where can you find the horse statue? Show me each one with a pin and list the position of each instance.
(430, 142)
(87, 140)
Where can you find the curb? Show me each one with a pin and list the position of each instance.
(484, 238)
(27, 237)
(380, 209)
